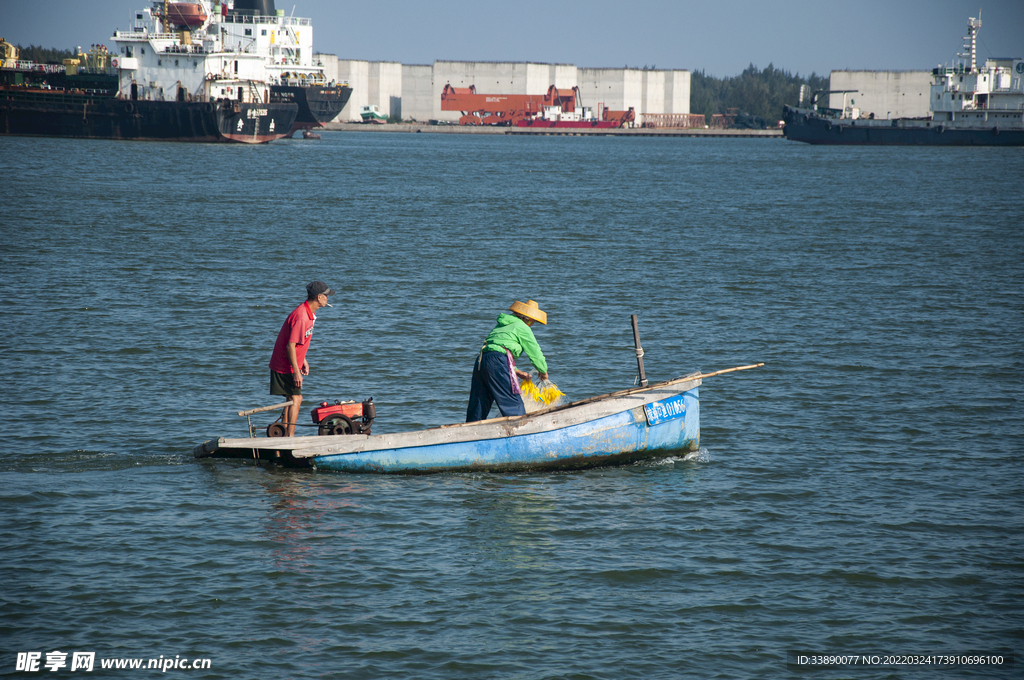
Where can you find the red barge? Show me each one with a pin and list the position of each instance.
(554, 109)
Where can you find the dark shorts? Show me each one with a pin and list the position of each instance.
(283, 383)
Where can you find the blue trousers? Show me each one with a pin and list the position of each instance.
(492, 382)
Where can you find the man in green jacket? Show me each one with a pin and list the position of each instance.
(495, 373)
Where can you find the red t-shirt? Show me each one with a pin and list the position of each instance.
(297, 328)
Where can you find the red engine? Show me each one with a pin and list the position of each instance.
(345, 417)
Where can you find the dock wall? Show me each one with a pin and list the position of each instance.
(417, 92)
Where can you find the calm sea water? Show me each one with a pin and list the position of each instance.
(861, 493)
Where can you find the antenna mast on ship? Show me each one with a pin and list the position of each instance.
(971, 42)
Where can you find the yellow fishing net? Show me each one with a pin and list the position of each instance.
(539, 394)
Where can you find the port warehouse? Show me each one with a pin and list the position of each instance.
(413, 91)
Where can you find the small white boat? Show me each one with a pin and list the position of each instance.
(372, 114)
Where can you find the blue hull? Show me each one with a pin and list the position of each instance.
(613, 440)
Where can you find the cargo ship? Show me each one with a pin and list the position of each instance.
(166, 91)
(970, 106)
(82, 100)
(287, 44)
(184, 71)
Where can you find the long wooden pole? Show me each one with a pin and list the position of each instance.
(729, 370)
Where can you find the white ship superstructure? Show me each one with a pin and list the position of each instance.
(972, 96)
(204, 51)
(286, 41)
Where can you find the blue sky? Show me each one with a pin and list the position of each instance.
(721, 38)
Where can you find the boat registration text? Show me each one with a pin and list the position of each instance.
(666, 409)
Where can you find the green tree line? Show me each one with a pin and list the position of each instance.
(44, 55)
(760, 94)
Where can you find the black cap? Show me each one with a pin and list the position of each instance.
(315, 288)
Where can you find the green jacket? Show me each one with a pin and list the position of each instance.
(515, 336)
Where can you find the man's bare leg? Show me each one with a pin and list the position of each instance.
(291, 414)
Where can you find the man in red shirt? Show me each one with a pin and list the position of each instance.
(288, 362)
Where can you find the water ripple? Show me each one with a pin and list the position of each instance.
(860, 492)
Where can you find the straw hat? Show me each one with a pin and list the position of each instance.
(530, 310)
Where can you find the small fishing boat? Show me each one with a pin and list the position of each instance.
(646, 422)
(372, 114)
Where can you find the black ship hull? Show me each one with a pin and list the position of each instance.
(318, 104)
(806, 126)
(61, 114)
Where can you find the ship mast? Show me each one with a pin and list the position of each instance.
(971, 42)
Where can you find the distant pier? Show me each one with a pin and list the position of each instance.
(561, 132)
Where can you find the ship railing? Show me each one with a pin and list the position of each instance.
(990, 107)
(298, 82)
(51, 96)
(261, 19)
(247, 19)
(185, 49)
(960, 69)
(40, 68)
(826, 112)
(673, 120)
(97, 71)
(144, 35)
